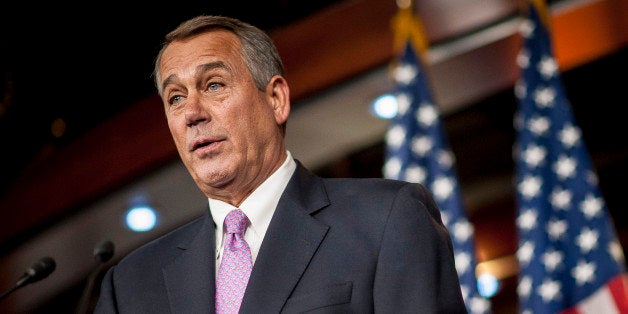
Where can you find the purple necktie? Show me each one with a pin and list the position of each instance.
(236, 265)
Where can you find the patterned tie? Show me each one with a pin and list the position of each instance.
(236, 265)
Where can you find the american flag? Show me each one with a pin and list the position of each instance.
(417, 151)
(569, 256)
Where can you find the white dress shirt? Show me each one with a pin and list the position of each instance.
(259, 207)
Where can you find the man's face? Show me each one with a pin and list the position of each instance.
(225, 129)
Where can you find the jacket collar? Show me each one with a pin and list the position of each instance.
(190, 278)
(292, 238)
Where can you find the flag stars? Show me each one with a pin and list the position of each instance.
(462, 260)
(422, 145)
(591, 177)
(392, 167)
(444, 216)
(462, 231)
(416, 153)
(566, 239)
(395, 136)
(403, 103)
(442, 187)
(479, 305)
(584, 272)
(549, 290)
(526, 28)
(527, 219)
(525, 252)
(416, 174)
(561, 199)
(569, 135)
(591, 206)
(547, 67)
(552, 259)
(544, 96)
(446, 159)
(427, 115)
(521, 89)
(464, 289)
(565, 167)
(614, 248)
(556, 229)
(539, 125)
(587, 239)
(530, 186)
(405, 73)
(534, 155)
(523, 58)
(525, 286)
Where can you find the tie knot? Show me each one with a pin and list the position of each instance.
(236, 222)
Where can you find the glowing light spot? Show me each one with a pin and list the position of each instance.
(141, 219)
(385, 106)
(488, 285)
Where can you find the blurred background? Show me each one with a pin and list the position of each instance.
(84, 139)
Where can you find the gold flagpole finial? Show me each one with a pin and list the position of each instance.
(404, 4)
(544, 13)
(407, 26)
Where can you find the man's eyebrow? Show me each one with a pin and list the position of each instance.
(201, 69)
(212, 65)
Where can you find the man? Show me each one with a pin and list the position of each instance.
(310, 244)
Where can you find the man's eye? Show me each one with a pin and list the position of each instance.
(175, 99)
(213, 87)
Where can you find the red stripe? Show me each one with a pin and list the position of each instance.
(618, 287)
(572, 310)
(618, 290)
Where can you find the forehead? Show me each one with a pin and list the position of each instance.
(211, 46)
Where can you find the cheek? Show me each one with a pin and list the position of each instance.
(259, 133)
(177, 130)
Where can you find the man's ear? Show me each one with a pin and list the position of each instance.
(279, 94)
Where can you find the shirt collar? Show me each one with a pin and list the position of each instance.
(260, 206)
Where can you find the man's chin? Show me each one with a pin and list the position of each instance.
(214, 177)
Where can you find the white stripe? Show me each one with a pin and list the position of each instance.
(601, 302)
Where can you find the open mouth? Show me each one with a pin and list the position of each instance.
(203, 143)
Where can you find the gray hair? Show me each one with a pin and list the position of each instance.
(258, 50)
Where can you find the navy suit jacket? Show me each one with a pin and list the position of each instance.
(332, 246)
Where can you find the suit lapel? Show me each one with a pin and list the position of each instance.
(190, 278)
(291, 240)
